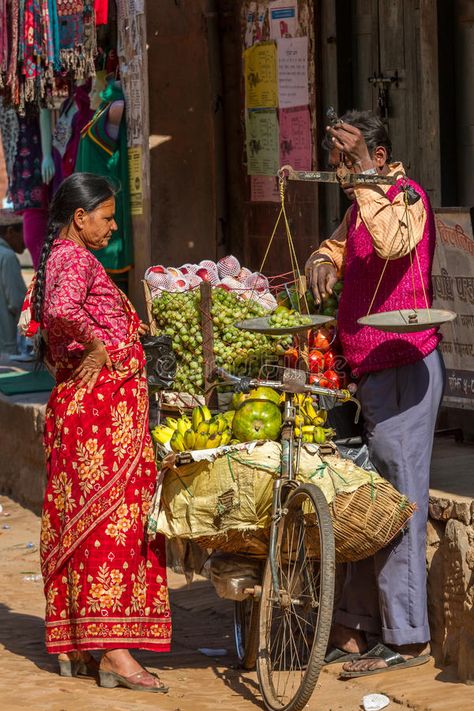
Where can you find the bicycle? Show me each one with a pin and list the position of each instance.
(284, 623)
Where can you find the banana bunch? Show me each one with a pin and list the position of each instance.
(307, 413)
(314, 433)
(201, 431)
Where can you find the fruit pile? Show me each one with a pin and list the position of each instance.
(227, 273)
(201, 431)
(309, 421)
(178, 315)
(256, 416)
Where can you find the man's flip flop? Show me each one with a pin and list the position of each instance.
(339, 656)
(392, 659)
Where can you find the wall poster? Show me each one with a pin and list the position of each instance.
(453, 289)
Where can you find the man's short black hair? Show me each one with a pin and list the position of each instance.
(371, 127)
(17, 226)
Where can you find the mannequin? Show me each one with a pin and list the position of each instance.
(74, 114)
(47, 163)
(103, 150)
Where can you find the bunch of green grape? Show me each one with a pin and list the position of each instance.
(178, 315)
(283, 317)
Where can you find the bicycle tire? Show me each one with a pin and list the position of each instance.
(246, 632)
(303, 608)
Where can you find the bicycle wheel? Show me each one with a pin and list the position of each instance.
(295, 621)
(246, 631)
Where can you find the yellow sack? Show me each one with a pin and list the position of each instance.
(226, 504)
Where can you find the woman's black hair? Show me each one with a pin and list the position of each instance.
(371, 127)
(79, 190)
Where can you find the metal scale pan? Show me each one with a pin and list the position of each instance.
(407, 320)
(263, 325)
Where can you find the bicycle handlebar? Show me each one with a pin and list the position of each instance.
(292, 385)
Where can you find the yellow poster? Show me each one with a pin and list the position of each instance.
(135, 180)
(260, 68)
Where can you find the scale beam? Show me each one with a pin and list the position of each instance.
(342, 176)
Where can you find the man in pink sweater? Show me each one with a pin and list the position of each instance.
(384, 251)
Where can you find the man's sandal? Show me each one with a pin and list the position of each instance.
(393, 660)
(339, 656)
(109, 680)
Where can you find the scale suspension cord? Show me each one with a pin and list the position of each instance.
(412, 248)
(291, 247)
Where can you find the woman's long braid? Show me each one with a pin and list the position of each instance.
(39, 289)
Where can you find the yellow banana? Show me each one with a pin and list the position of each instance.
(319, 435)
(189, 438)
(299, 420)
(206, 413)
(234, 441)
(177, 442)
(298, 431)
(171, 422)
(196, 418)
(307, 437)
(213, 427)
(308, 429)
(226, 437)
(203, 429)
(320, 419)
(213, 440)
(201, 439)
(162, 434)
(309, 408)
(183, 425)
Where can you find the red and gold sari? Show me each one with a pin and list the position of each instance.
(105, 584)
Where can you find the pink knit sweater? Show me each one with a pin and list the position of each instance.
(368, 349)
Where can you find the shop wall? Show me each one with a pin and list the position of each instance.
(200, 191)
(182, 133)
(250, 224)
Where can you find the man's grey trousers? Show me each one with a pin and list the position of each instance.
(385, 595)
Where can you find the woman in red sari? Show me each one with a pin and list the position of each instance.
(105, 584)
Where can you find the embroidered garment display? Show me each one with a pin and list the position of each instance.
(43, 38)
(26, 188)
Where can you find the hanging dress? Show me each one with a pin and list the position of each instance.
(99, 153)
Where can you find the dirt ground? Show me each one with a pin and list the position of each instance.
(29, 679)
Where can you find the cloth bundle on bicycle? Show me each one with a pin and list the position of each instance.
(226, 504)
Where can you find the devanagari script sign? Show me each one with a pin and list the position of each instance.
(453, 289)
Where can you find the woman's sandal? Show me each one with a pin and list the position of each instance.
(109, 680)
(78, 667)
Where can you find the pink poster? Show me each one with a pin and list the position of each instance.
(295, 138)
(264, 188)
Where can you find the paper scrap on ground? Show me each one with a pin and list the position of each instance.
(295, 138)
(293, 72)
(262, 142)
(264, 188)
(283, 18)
(375, 702)
(212, 652)
(260, 70)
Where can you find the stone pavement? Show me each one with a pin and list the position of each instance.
(28, 677)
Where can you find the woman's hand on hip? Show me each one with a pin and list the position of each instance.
(94, 358)
(143, 329)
